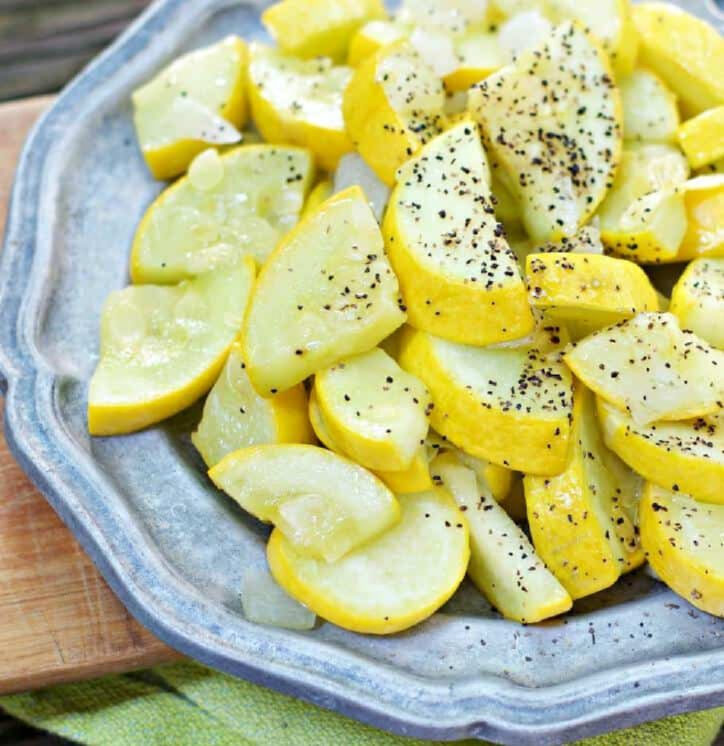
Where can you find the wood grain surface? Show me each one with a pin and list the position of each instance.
(59, 621)
(43, 43)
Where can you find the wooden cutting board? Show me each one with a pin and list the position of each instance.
(59, 621)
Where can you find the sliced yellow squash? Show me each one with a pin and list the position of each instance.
(234, 205)
(702, 138)
(319, 28)
(649, 108)
(324, 504)
(683, 456)
(371, 38)
(392, 106)
(643, 218)
(299, 102)
(698, 300)
(478, 55)
(374, 410)
(392, 582)
(495, 479)
(452, 17)
(704, 202)
(625, 508)
(586, 241)
(571, 514)
(650, 368)
(235, 416)
(610, 21)
(683, 543)
(459, 278)
(416, 478)
(321, 193)
(685, 51)
(197, 101)
(508, 405)
(588, 290)
(559, 153)
(163, 347)
(503, 564)
(326, 292)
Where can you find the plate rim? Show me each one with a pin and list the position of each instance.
(487, 707)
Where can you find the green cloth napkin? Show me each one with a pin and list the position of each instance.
(185, 703)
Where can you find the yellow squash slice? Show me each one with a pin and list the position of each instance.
(643, 218)
(319, 28)
(299, 102)
(625, 508)
(392, 106)
(230, 206)
(698, 300)
(416, 478)
(460, 280)
(610, 21)
(704, 202)
(684, 545)
(571, 515)
(326, 292)
(702, 138)
(452, 17)
(235, 416)
(508, 405)
(685, 51)
(503, 564)
(197, 101)
(588, 290)
(652, 369)
(163, 347)
(390, 583)
(324, 504)
(649, 108)
(478, 55)
(683, 456)
(558, 153)
(321, 193)
(371, 38)
(494, 478)
(374, 410)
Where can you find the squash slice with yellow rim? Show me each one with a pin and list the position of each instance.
(571, 514)
(559, 154)
(652, 369)
(503, 564)
(324, 504)
(197, 101)
(162, 347)
(684, 545)
(319, 28)
(392, 582)
(698, 300)
(392, 106)
(686, 456)
(416, 478)
(460, 280)
(230, 206)
(376, 411)
(510, 406)
(326, 292)
(299, 102)
(235, 416)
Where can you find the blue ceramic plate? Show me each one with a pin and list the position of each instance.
(174, 549)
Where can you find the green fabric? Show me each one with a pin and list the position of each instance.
(186, 704)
